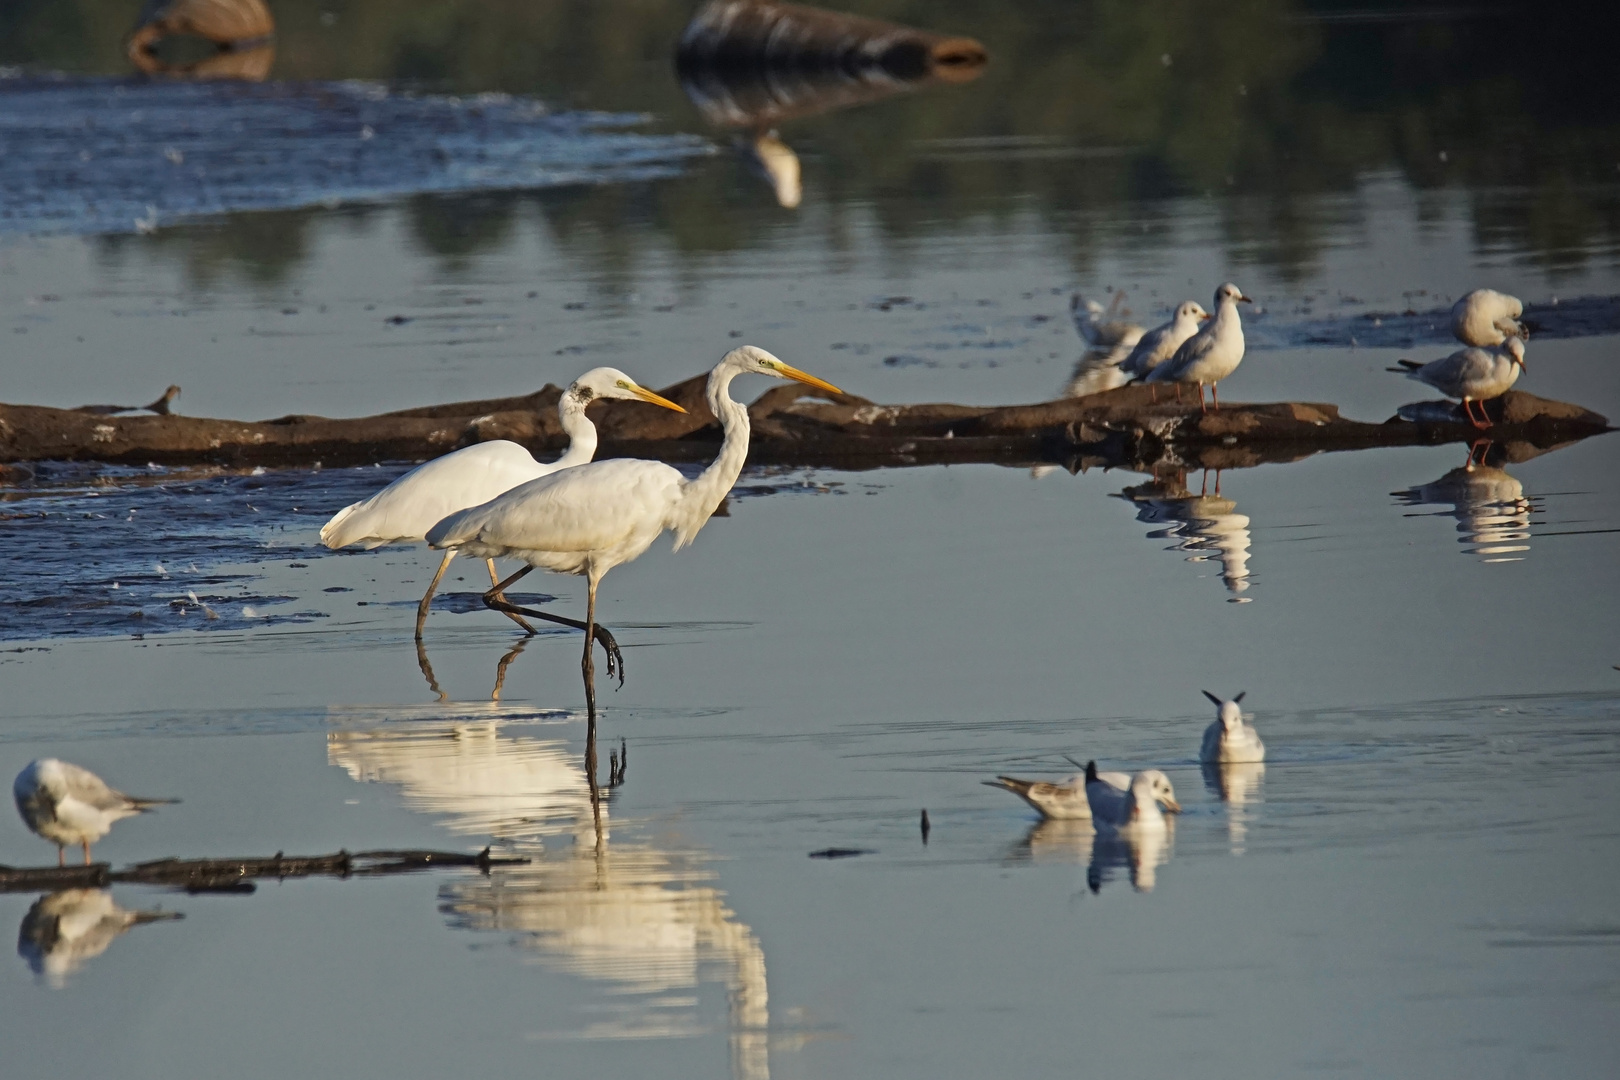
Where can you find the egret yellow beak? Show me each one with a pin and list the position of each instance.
(788, 371)
(647, 395)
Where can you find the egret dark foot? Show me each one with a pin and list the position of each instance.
(602, 635)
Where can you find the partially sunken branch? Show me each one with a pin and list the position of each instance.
(237, 875)
(1122, 427)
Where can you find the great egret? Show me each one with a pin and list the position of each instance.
(1473, 374)
(1103, 328)
(409, 507)
(1211, 354)
(1229, 739)
(590, 519)
(69, 804)
(1487, 317)
(1161, 343)
(1137, 807)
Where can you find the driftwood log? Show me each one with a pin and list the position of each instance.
(237, 875)
(1119, 428)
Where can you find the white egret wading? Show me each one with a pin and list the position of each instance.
(589, 519)
(1487, 317)
(69, 804)
(1211, 354)
(1139, 806)
(406, 509)
(1229, 739)
(1475, 374)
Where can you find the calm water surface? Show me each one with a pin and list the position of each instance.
(1419, 882)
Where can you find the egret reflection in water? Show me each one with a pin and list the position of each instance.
(64, 930)
(1492, 511)
(643, 919)
(1206, 527)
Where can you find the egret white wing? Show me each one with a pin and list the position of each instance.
(408, 507)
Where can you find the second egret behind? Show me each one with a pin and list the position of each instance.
(407, 508)
(589, 519)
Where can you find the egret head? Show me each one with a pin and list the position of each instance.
(748, 358)
(1191, 309)
(607, 382)
(1231, 292)
(1153, 784)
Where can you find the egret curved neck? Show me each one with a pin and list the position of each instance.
(703, 495)
(580, 431)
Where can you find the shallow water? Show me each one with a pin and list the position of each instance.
(1419, 882)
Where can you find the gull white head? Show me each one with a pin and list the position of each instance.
(1230, 292)
(1515, 350)
(1230, 713)
(1152, 786)
(1191, 309)
(608, 382)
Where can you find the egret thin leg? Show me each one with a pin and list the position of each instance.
(493, 601)
(495, 579)
(427, 598)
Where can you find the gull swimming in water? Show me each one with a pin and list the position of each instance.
(1211, 354)
(66, 929)
(1479, 373)
(1064, 801)
(1162, 342)
(1229, 739)
(68, 804)
(1138, 807)
(1103, 328)
(407, 508)
(1487, 317)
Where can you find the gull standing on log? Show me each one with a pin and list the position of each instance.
(1487, 317)
(1162, 342)
(69, 804)
(414, 503)
(1475, 374)
(589, 519)
(1211, 354)
(1229, 739)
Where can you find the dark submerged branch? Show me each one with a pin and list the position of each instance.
(237, 875)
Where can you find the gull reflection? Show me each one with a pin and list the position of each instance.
(1237, 784)
(1056, 840)
(64, 930)
(1492, 512)
(753, 64)
(1207, 527)
(643, 919)
(1139, 851)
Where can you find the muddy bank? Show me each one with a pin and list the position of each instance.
(1119, 427)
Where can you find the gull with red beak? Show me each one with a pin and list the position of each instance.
(1211, 354)
(1138, 807)
(1229, 739)
(1476, 374)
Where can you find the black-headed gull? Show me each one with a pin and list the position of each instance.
(1229, 738)
(1487, 317)
(1139, 806)
(1211, 354)
(1161, 343)
(1104, 328)
(1478, 373)
(1061, 801)
(68, 804)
